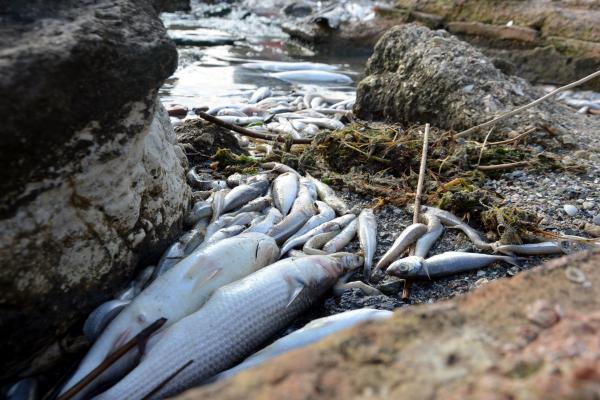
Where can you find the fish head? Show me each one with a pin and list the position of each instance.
(349, 261)
(407, 267)
(267, 251)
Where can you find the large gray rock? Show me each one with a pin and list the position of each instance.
(91, 178)
(420, 75)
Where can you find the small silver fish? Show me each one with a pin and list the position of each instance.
(240, 120)
(334, 224)
(101, 317)
(327, 195)
(434, 231)
(301, 211)
(284, 191)
(328, 123)
(314, 244)
(279, 66)
(324, 214)
(343, 239)
(200, 210)
(279, 167)
(407, 237)
(241, 195)
(531, 249)
(367, 237)
(266, 223)
(310, 76)
(218, 203)
(260, 94)
(451, 262)
(452, 221)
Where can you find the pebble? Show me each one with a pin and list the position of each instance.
(571, 209)
(587, 205)
(596, 219)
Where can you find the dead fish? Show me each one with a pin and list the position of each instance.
(279, 167)
(192, 239)
(407, 237)
(232, 112)
(180, 292)
(266, 223)
(236, 320)
(170, 258)
(284, 191)
(256, 205)
(301, 211)
(327, 195)
(340, 241)
(310, 130)
(434, 231)
(198, 180)
(240, 195)
(235, 180)
(218, 203)
(334, 224)
(451, 262)
(312, 332)
(260, 94)
(240, 120)
(324, 214)
(531, 249)
(452, 221)
(143, 279)
(367, 237)
(314, 244)
(296, 253)
(223, 233)
(101, 317)
(25, 389)
(200, 210)
(310, 76)
(229, 220)
(328, 123)
(280, 66)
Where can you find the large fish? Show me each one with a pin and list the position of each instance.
(448, 263)
(367, 237)
(312, 332)
(181, 291)
(285, 189)
(236, 320)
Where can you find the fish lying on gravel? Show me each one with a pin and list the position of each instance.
(236, 320)
(452, 221)
(314, 244)
(311, 76)
(180, 292)
(448, 263)
(312, 332)
(334, 224)
(367, 237)
(343, 239)
(531, 249)
(434, 231)
(327, 195)
(284, 191)
(407, 237)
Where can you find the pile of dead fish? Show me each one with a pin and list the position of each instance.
(584, 101)
(301, 113)
(260, 250)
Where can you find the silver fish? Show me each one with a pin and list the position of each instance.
(223, 233)
(314, 244)
(200, 210)
(309, 76)
(180, 292)
(25, 389)
(407, 237)
(256, 205)
(143, 279)
(310, 130)
(240, 120)
(302, 210)
(367, 237)
(434, 231)
(170, 258)
(531, 249)
(101, 317)
(228, 220)
(280, 66)
(218, 203)
(448, 263)
(232, 112)
(327, 195)
(284, 191)
(335, 224)
(191, 240)
(236, 320)
(340, 241)
(279, 167)
(312, 332)
(324, 214)
(241, 195)
(235, 179)
(328, 123)
(453, 221)
(260, 94)
(265, 224)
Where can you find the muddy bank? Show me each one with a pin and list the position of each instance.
(532, 336)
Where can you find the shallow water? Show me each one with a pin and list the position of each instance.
(212, 75)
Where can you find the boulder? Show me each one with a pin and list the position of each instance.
(534, 336)
(418, 75)
(92, 180)
(545, 41)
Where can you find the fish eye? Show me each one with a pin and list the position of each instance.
(404, 267)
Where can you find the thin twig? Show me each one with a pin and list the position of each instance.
(483, 145)
(167, 380)
(138, 339)
(248, 132)
(528, 105)
(516, 138)
(497, 167)
(421, 175)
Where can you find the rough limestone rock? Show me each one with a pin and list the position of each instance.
(534, 336)
(544, 40)
(417, 75)
(91, 178)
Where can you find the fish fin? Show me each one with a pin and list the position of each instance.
(295, 287)
(202, 281)
(426, 268)
(512, 260)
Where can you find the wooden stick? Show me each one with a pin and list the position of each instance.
(248, 132)
(421, 175)
(516, 138)
(483, 145)
(141, 337)
(503, 166)
(528, 105)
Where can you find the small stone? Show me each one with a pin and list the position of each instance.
(571, 210)
(480, 273)
(596, 219)
(543, 313)
(513, 271)
(575, 275)
(587, 205)
(481, 282)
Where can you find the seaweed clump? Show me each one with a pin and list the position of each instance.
(511, 224)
